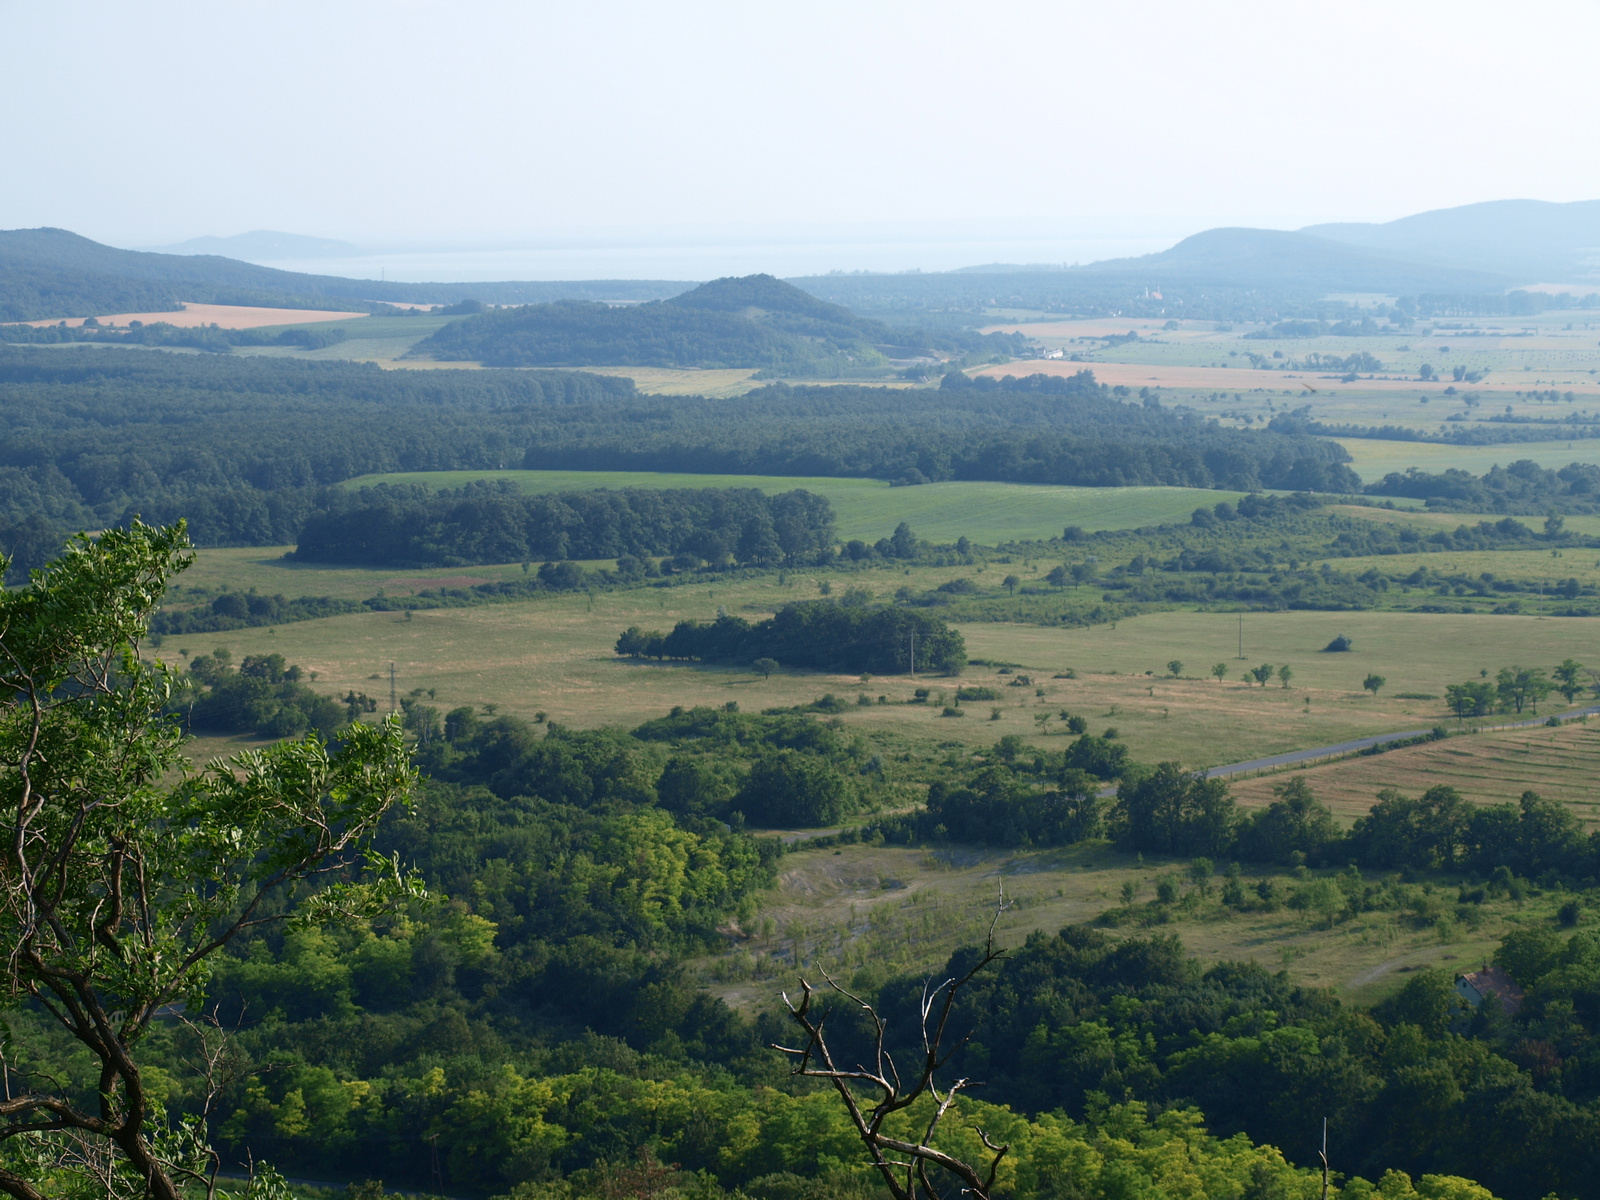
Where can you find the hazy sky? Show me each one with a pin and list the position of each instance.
(496, 120)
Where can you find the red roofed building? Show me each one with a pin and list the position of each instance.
(1475, 986)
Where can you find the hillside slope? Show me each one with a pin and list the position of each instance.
(1238, 257)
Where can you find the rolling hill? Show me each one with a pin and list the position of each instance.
(48, 273)
(753, 321)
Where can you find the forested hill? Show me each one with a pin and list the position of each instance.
(754, 321)
(50, 273)
(243, 447)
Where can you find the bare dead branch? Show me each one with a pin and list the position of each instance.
(907, 1174)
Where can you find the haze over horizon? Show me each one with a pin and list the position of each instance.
(794, 140)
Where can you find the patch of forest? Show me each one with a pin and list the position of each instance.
(484, 523)
(245, 448)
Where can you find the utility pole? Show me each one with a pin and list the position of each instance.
(394, 703)
(1324, 1157)
(1241, 635)
(913, 654)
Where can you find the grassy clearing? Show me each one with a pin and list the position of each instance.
(669, 381)
(871, 911)
(988, 513)
(1487, 768)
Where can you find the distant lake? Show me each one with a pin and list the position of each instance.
(580, 260)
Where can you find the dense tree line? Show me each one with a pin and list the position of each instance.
(1044, 429)
(487, 524)
(1496, 430)
(161, 333)
(1522, 487)
(818, 634)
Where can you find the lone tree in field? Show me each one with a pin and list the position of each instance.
(1520, 687)
(1220, 670)
(1010, 583)
(1339, 645)
(125, 872)
(1568, 679)
(899, 1143)
(1175, 668)
(1285, 673)
(1262, 673)
(764, 667)
(1373, 682)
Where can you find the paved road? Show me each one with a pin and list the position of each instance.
(1378, 739)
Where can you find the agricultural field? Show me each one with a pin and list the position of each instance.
(1373, 458)
(865, 912)
(1521, 361)
(1487, 768)
(227, 316)
(987, 513)
(554, 655)
(382, 340)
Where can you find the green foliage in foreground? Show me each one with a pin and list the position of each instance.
(127, 874)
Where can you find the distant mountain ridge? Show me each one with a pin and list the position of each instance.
(1227, 273)
(1536, 241)
(1242, 257)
